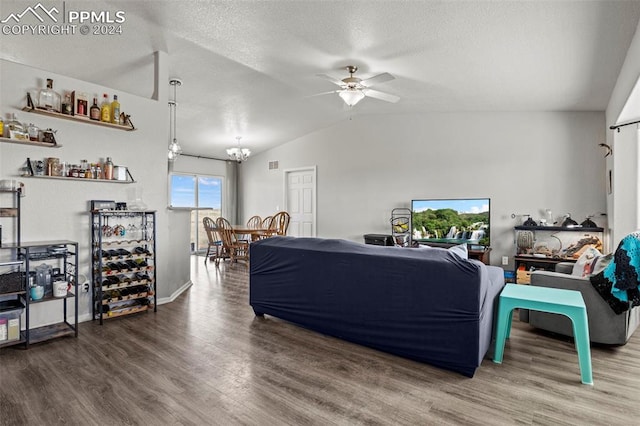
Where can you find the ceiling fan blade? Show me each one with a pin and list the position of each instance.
(324, 93)
(377, 79)
(381, 95)
(331, 79)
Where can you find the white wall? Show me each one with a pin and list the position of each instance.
(57, 209)
(622, 203)
(525, 162)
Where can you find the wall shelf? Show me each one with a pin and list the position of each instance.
(79, 179)
(32, 143)
(78, 119)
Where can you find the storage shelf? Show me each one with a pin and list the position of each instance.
(121, 212)
(22, 339)
(78, 119)
(36, 244)
(128, 297)
(125, 242)
(80, 179)
(119, 286)
(32, 143)
(128, 271)
(130, 257)
(126, 311)
(558, 228)
(8, 212)
(11, 263)
(50, 298)
(52, 331)
(527, 258)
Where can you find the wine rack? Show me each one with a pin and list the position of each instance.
(123, 262)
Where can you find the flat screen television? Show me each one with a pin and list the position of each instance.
(451, 221)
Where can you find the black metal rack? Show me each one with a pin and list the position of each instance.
(63, 251)
(123, 252)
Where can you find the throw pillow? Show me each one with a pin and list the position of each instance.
(460, 250)
(582, 267)
(601, 262)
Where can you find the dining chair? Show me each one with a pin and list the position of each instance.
(215, 242)
(280, 223)
(254, 222)
(266, 228)
(266, 222)
(237, 249)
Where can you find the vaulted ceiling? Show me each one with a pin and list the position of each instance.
(249, 68)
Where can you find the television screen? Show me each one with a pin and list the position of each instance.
(451, 221)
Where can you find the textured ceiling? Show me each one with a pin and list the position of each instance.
(249, 67)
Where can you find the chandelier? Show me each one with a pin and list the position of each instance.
(174, 147)
(238, 154)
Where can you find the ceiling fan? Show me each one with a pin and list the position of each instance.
(353, 89)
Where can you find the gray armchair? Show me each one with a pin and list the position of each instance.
(604, 325)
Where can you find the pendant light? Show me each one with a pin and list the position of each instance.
(174, 147)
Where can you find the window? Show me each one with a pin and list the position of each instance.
(203, 196)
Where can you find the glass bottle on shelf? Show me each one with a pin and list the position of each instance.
(14, 125)
(105, 109)
(49, 99)
(108, 169)
(34, 132)
(94, 111)
(67, 107)
(115, 110)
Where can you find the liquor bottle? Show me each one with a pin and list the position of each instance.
(115, 110)
(67, 107)
(105, 109)
(14, 125)
(94, 112)
(48, 99)
(108, 169)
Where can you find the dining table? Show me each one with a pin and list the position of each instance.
(255, 233)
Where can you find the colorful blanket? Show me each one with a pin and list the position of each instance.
(618, 282)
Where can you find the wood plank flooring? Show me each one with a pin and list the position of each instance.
(206, 359)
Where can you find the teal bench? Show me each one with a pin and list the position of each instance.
(545, 299)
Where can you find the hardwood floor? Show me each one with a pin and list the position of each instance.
(206, 359)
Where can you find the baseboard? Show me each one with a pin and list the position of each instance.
(89, 317)
(175, 294)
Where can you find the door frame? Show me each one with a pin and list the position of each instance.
(314, 170)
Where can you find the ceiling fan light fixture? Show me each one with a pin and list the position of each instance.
(351, 96)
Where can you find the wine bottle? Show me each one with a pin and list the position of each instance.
(105, 109)
(115, 110)
(94, 111)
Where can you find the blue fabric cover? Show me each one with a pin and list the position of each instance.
(428, 305)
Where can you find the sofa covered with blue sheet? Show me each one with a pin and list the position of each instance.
(427, 304)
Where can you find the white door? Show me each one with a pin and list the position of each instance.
(300, 199)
